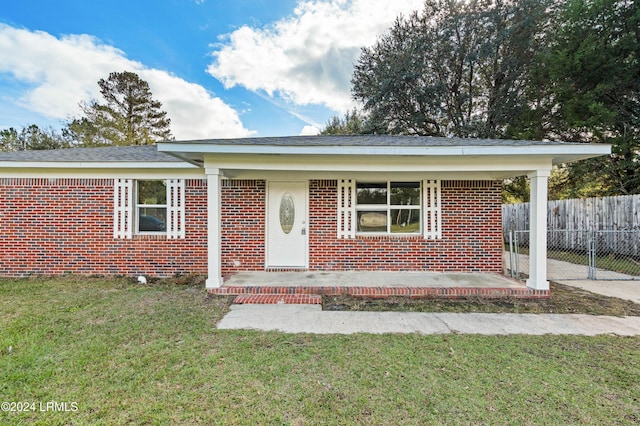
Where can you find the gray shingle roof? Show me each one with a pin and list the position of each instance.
(149, 153)
(146, 153)
(367, 140)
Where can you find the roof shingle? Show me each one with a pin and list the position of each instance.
(144, 153)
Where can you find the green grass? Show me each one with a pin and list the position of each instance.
(152, 355)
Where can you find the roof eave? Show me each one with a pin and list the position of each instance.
(193, 152)
(96, 165)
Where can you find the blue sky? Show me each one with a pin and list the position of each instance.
(231, 68)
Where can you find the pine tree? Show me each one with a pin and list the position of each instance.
(128, 116)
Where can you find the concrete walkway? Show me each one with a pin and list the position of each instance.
(622, 286)
(312, 319)
(628, 290)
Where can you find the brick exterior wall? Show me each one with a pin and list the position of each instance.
(471, 240)
(57, 226)
(243, 225)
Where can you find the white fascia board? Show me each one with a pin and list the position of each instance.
(578, 150)
(92, 165)
(552, 150)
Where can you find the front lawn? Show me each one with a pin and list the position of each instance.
(119, 353)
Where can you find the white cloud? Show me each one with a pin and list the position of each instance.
(309, 131)
(308, 57)
(61, 72)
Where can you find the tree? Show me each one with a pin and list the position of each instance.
(351, 124)
(128, 116)
(455, 69)
(32, 138)
(592, 70)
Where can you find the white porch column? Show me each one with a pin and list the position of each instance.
(538, 231)
(214, 228)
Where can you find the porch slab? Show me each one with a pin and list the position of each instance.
(377, 284)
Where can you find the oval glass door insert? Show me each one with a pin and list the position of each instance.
(287, 212)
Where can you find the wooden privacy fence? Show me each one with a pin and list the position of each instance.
(584, 214)
(612, 223)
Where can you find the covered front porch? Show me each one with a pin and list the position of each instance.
(292, 287)
(457, 211)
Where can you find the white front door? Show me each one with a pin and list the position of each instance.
(287, 225)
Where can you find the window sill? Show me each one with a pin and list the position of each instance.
(389, 236)
(150, 236)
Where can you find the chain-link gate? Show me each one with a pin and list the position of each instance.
(579, 255)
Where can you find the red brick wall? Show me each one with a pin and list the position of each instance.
(471, 241)
(58, 226)
(243, 225)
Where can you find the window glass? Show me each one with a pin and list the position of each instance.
(152, 219)
(405, 193)
(390, 207)
(152, 206)
(152, 192)
(372, 221)
(371, 193)
(405, 221)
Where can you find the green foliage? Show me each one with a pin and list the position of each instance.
(454, 69)
(351, 124)
(540, 70)
(129, 115)
(32, 138)
(515, 190)
(589, 91)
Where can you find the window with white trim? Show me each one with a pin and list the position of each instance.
(388, 207)
(149, 207)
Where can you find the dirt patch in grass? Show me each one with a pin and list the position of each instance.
(564, 300)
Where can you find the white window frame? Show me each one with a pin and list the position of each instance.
(388, 207)
(126, 209)
(138, 206)
(430, 209)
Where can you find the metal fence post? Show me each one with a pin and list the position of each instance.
(591, 261)
(517, 254)
(511, 253)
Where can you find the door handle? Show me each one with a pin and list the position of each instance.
(303, 231)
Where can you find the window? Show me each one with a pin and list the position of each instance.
(389, 207)
(149, 207)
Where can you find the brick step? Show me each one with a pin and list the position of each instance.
(291, 292)
(272, 299)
